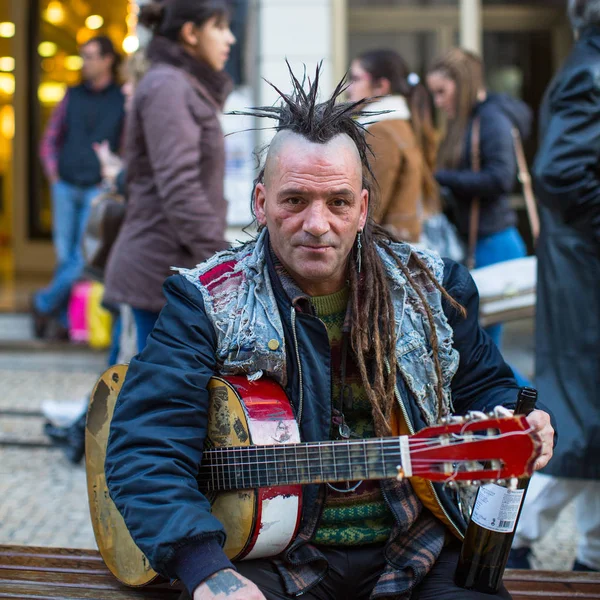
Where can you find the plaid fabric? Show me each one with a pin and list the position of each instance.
(53, 137)
(416, 539)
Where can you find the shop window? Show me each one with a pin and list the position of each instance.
(7, 120)
(56, 31)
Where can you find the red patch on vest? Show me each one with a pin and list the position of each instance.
(212, 278)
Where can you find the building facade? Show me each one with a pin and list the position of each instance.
(522, 41)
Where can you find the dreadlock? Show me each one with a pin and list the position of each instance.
(372, 337)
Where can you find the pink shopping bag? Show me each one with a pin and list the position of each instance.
(79, 330)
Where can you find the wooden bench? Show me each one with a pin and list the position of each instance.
(58, 573)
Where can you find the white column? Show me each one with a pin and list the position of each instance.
(302, 32)
(471, 28)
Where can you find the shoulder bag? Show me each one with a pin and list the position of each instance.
(507, 290)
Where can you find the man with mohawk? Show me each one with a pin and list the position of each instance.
(367, 335)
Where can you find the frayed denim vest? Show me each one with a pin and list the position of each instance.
(240, 303)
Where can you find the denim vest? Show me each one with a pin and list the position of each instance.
(240, 303)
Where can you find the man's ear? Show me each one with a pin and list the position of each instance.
(383, 87)
(188, 34)
(364, 208)
(260, 198)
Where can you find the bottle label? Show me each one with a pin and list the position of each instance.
(496, 508)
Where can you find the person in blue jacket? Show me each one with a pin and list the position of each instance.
(457, 84)
(365, 334)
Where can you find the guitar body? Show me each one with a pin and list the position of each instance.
(254, 465)
(258, 522)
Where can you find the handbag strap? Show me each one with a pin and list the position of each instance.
(525, 179)
(475, 202)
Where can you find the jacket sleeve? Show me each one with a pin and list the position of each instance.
(53, 138)
(156, 441)
(483, 379)
(172, 135)
(498, 163)
(386, 166)
(566, 167)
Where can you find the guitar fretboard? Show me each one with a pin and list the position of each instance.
(245, 467)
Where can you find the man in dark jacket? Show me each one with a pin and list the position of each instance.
(367, 336)
(567, 182)
(90, 113)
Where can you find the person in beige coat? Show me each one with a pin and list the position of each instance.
(403, 141)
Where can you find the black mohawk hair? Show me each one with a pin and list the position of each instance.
(299, 112)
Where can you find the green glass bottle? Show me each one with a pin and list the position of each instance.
(492, 526)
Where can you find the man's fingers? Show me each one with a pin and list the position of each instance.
(540, 422)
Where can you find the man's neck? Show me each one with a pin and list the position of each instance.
(100, 83)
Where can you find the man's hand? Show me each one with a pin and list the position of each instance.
(540, 421)
(227, 584)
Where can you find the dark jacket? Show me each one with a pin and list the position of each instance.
(177, 364)
(498, 114)
(176, 210)
(84, 117)
(567, 184)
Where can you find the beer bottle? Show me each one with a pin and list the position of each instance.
(490, 533)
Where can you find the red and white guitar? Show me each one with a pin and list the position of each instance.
(254, 466)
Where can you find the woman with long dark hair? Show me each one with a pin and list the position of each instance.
(403, 141)
(176, 212)
(456, 82)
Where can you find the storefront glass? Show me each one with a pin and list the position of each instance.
(7, 120)
(57, 31)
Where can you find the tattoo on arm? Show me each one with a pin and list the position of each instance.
(224, 583)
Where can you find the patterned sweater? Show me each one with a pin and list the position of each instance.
(359, 517)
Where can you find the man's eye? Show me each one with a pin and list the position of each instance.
(339, 202)
(294, 201)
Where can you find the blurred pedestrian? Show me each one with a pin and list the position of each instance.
(176, 212)
(88, 114)
(400, 147)
(567, 183)
(65, 424)
(456, 82)
(404, 143)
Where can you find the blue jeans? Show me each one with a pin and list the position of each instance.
(70, 211)
(144, 324)
(495, 248)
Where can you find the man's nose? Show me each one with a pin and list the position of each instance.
(315, 220)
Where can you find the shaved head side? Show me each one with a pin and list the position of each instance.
(289, 141)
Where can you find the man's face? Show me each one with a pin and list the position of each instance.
(94, 64)
(313, 205)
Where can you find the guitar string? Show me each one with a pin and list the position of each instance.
(318, 447)
(212, 465)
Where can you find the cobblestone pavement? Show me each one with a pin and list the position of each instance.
(43, 498)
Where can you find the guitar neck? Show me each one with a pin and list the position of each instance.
(245, 467)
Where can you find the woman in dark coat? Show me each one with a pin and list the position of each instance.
(567, 184)
(457, 85)
(176, 212)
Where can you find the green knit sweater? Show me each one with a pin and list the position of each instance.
(360, 517)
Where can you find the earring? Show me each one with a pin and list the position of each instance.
(359, 250)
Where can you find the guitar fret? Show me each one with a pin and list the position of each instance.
(366, 462)
(383, 467)
(349, 461)
(334, 463)
(307, 450)
(319, 448)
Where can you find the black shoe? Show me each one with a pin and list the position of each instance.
(579, 566)
(58, 435)
(40, 320)
(519, 558)
(75, 447)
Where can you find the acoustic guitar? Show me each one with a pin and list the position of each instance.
(254, 465)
